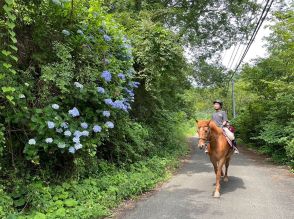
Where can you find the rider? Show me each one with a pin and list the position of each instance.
(221, 119)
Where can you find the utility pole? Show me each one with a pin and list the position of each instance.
(233, 99)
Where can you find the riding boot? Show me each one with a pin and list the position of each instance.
(236, 151)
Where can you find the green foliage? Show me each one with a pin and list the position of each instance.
(267, 116)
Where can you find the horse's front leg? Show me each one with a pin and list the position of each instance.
(218, 178)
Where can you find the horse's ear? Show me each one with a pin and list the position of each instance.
(196, 120)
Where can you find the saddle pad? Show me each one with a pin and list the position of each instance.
(228, 139)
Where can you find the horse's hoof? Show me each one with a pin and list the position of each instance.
(226, 179)
(216, 195)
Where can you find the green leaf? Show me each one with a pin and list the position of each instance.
(13, 47)
(6, 65)
(70, 202)
(10, 25)
(2, 76)
(12, 33)
(8, 89)
(6, 8)
(14, 40)
(9, 2)
(12, 71)
(40, 216)
(19, 202)
(14, 58)
(5, 52)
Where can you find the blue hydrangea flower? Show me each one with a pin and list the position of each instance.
(61, 145)
(78, 85)
(80, 32)
(66, 32)
(97, 128)
(77, 133)
(101, 90)
(50, 124)
(67, 133)
(55, 106)
(49, 140)
(74, 112)
(84, 125)
(121, 76)
(106, 75)
(109, 124)
(72, 150)
(32, 141)
(59, 130)
(76, 140)
(108, 101)
(129, 92)
(64, 125)
(106, 113)
(119, 104)
(85, 133)
(78, 146)
(106, 37)
(134, 84)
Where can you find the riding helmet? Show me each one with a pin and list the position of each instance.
(218, 101)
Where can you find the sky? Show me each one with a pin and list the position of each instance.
(256, 50)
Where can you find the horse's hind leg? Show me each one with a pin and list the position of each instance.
(226, 178)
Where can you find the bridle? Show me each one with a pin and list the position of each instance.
(207, 134)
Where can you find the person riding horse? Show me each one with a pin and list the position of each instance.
(221, 119)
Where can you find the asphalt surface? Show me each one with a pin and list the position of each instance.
(256, 189)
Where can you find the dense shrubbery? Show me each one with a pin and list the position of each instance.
(266, 114)
(92, 104)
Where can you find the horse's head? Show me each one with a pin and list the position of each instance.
(203, 132)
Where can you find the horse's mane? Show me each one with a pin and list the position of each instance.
(212, 125)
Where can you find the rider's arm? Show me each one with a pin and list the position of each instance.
(225, 118)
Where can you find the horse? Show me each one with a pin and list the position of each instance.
(219, 150)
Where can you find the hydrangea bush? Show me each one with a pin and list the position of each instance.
(91, 84)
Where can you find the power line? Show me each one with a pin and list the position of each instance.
(259, 24)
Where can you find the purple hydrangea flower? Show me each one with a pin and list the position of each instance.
(108, 101)
(85, 133)
(77, 133)
(72, 150)
(49, 140)
(109, 124)
(106, 37)
(97, 128)
(67, 133)
(106, 75)
(74, 112)
(134, 84)
(121, 76)
(64, 125)
(76, 140)
(50, 124)
(101, 90)
(78, 146)
(84, 125)
(106, 113)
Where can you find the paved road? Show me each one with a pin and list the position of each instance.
(255, 190)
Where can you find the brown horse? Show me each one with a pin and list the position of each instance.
(219, 150)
